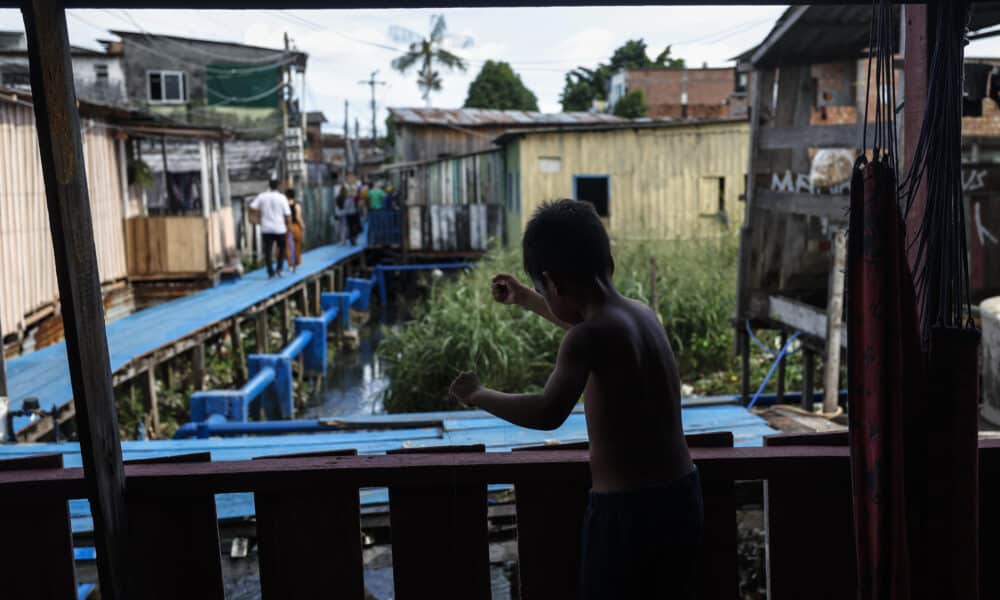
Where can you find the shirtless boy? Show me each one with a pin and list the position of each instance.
(644, 520)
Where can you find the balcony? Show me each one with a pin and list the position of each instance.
(308, 519)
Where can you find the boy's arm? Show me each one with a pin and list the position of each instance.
(508, 290)
(547, 410)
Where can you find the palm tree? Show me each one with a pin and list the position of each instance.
(428, 52)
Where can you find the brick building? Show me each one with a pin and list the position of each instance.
(707, 93)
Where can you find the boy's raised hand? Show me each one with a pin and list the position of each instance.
(508, 290)
(464, 386)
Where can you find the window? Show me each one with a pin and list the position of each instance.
(742, 82)
(595, 189)
(15, 78)
(549, 164)
(101, 74)
(167, 87)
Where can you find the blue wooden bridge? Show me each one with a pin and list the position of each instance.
(148, 337)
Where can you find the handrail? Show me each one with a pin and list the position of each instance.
(282, 474)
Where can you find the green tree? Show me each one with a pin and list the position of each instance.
(428, 52)
(631, 106)
(663, 59)
(497, 86)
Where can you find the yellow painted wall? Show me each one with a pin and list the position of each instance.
(662, 179)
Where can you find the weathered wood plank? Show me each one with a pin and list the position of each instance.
(833, 207)
(198, 366)
(61, 151)
(440, 536)
(301, 536)
(802, 317)
(240, 374)
(813, 136)
(150, 401)
(260, 332)
(810, 529)
(38, 555)
(178, 537)
(549, 523)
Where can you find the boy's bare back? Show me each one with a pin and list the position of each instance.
(632, 399)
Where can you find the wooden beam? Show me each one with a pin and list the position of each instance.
(833, 207)
(789, 21)
(813, 136)
(61, 151)
(808, 319)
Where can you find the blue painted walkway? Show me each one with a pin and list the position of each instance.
(409, 430)
(44, 374)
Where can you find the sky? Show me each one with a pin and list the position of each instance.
(541, 44)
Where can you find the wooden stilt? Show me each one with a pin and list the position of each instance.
(302, 299)
(198, 366)
(331, 281)
(808, 377)
(61, 151)
(834, 314)
(150, 401)
(317, 309)
(744, 367)
(780, 396)
(240, 374)
(168, 376)
(284, 321)
(261, 331)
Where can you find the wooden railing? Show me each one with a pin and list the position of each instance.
(308, 520)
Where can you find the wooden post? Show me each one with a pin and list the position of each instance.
(240, 374)
(744, 339)
(260, 319)
(284, 321)
(61, 151)
(3, 367)
(198, 366)
(302, 299)
(317, 308)
(834, 315)
(331, 281)
(168, 376)
(150, 401)
(808, 375)
(780, 395)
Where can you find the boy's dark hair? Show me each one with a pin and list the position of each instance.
(273, 184)
(290, 193)
(567, 237)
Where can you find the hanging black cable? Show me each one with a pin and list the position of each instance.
(941, 272)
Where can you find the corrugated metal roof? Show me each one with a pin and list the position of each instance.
(644, 123)
(478, 117)
(816, 34)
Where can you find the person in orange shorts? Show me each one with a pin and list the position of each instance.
(296, 232)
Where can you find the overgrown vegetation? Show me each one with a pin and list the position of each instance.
(460, 327)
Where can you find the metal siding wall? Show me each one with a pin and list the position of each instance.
(655, 175)
(27, 267)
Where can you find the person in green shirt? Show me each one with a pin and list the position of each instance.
(376, 197)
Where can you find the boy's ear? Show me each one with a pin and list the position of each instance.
(552, 283)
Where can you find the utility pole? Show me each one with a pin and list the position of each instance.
(371, 82)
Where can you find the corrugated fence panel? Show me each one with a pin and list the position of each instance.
(27, 266)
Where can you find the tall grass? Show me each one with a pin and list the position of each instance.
(460, 327)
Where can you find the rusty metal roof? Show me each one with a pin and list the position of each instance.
(478, 117)
(816, 34)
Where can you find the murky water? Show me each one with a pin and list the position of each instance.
(355, 380)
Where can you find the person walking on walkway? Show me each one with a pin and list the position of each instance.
(296, 232)
(274, 216)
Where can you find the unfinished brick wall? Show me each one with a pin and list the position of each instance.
(708, 91)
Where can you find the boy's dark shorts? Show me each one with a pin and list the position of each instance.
(642, 543)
